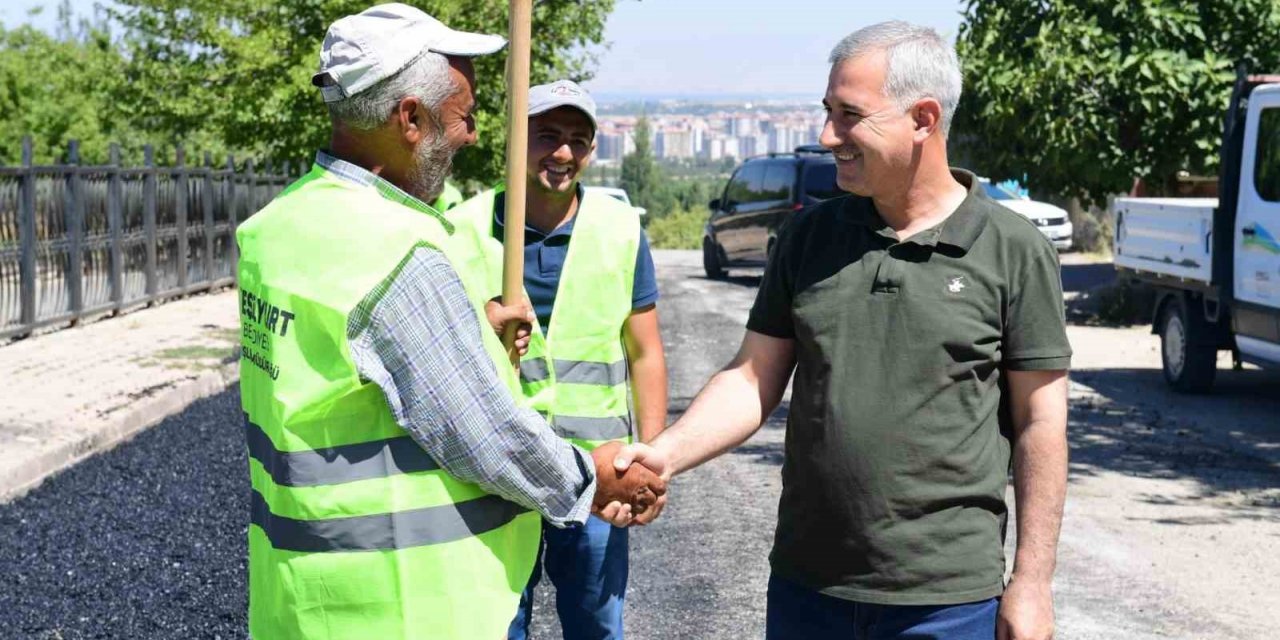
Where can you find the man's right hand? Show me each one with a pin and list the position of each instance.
(632, 495)
(500, 316)
(621, 459)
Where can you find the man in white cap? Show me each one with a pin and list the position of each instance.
(597, 351)
(398, 485)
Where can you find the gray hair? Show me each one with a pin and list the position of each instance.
(426, 78)
(920, 64)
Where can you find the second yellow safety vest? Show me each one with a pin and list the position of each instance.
(577, 374)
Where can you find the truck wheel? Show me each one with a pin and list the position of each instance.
(711, 260)
(1189, 367)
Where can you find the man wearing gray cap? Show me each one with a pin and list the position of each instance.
(597, 349)
(398, 483)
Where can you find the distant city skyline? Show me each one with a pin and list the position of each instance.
(733, 133)
(706, 49)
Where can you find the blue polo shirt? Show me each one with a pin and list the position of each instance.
(544, 256)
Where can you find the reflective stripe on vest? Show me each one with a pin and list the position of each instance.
(336, 465)
(583, 428)
(575, 371)
(355, 531)
(380, 531)
(534, 370)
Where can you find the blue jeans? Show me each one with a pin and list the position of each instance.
(588, 566)
(800, 613)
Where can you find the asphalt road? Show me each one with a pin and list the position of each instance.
(145, 541)
(1167, 533)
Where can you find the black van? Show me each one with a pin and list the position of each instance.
(760, 197)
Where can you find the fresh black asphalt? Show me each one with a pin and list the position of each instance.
(144, 541)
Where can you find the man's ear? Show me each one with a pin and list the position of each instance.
(926, 116)
(412, 120)
(586, 161)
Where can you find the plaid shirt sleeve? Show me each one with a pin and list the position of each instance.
(417, 337)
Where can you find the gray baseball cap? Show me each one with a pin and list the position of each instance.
(562, 93)
(361, 50)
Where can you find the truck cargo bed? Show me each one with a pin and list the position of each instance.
(1170, 237)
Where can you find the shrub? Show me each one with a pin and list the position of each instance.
(681, 229)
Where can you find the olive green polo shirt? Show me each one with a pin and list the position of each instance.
(897, 448)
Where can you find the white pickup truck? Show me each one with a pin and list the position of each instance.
(1215, 262)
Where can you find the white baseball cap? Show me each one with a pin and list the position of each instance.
(361, 50)
(561, 93)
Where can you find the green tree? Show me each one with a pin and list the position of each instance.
(241, 69)
(643, 179)
(639, 174)
(60, 87)
(1080, 97)
(693, 194)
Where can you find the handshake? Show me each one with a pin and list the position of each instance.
(627, 493)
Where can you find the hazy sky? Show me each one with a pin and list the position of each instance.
(760, 47)
(743, 46)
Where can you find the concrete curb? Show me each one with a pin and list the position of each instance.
(146, 413)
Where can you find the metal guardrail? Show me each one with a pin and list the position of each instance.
(82, 240)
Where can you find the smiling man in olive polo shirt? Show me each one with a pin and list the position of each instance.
(924, 324)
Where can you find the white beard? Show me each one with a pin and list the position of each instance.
(432, 163)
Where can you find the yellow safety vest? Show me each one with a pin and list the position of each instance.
(577, 375)
(355, 531)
